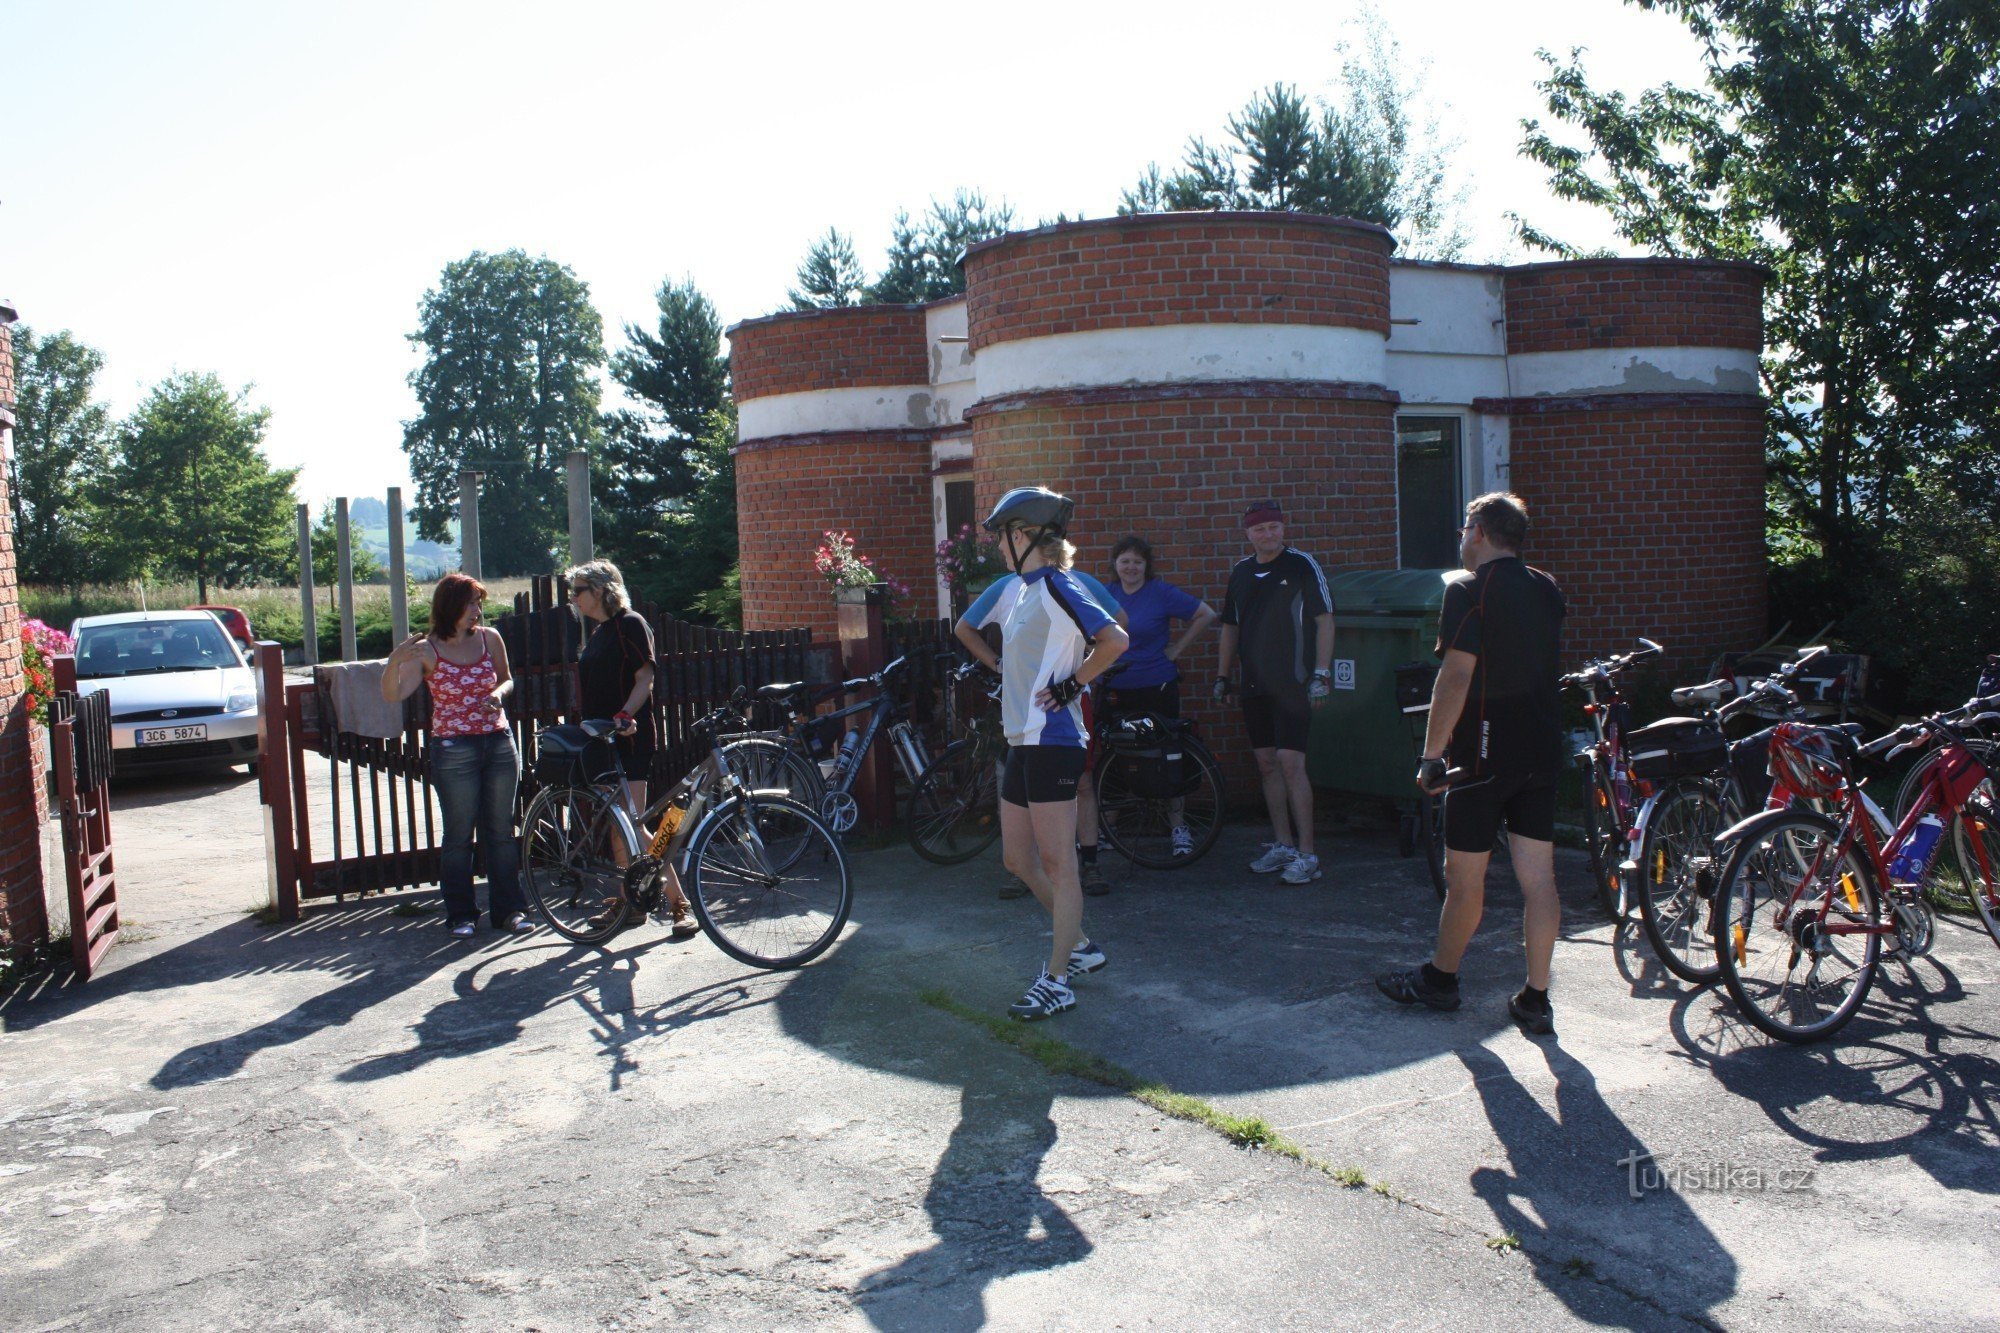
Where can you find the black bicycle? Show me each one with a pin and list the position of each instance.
(1159, 790)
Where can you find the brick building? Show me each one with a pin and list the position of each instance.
(1167, 370)
(23, 802)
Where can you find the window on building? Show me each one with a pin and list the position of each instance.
(1429, 492)
(957, 506)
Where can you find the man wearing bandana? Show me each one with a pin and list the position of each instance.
(1278, 618)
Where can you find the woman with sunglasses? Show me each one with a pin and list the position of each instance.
(474, 767)
(615, 679)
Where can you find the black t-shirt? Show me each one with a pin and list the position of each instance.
(1272, 607)
(610, 661)
(1509, 617)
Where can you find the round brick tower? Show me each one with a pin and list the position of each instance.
(1637, 436)
(833, 430)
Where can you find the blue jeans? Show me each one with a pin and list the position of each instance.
(475, 778)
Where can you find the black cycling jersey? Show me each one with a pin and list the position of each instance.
(1273, 608)
(1509, 616)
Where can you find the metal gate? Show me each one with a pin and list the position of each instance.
(80, 748)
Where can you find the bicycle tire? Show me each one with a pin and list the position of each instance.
(763, 915)
(763, 764)
(1430, 831)
(1979, 823)
(1140, 827)
(954, 811)
(1677, 878)
(567, 867)
(1758, 956)
(1603, 838)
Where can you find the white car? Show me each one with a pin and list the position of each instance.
(181, 694)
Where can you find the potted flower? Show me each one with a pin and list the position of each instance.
(39, 644)
(852, 575)
(966, 563)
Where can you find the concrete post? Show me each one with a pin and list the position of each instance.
(399, 591)
(582, 543)
(468, 523)
(344, 554)
(308, 613)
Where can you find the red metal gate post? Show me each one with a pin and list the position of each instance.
(274, 779)
(864, 650)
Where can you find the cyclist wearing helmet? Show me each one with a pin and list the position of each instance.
(1497, 711)
(1055, 641)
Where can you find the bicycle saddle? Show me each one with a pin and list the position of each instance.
(1706, 695)
(781, 691)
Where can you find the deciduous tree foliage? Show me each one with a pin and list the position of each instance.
(64, 450)
(196, 496)
(1852, 147)
(508, 388)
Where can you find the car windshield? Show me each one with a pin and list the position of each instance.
(143, 648)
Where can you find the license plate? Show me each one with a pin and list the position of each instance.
(172, 735)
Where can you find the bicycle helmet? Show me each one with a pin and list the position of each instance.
(1806, 759)
(1035, 507)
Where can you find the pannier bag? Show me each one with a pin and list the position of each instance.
(1147, 752)
(1413, 686)
(1676, 747)
(566, 754)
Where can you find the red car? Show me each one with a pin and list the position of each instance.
(234, 621)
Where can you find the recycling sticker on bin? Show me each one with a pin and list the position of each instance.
(1343, 673)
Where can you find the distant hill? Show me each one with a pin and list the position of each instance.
(426, 561)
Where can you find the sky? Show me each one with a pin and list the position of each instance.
(266, 190)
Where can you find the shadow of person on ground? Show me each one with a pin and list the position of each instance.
(1568, 1187)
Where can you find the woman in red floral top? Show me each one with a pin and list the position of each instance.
(474, 767)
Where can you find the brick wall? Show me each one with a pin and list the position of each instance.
(1179, 268)
(853, 347)
(1181, 471)
(790, 490)
(23, 913)
(1652, 519)
(1589, 304)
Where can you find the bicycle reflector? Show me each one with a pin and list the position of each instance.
(1804, 759)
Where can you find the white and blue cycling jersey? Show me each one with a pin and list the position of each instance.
(993, 604)
(1044, 638)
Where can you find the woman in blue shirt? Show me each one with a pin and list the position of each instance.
(1147, 679)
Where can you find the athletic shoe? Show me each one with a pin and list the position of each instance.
(1046, 997)
(518, 924)
(1411, 987)
(1084, 959)
(1534, 1022)
(1304, 869)
(1275, 858)
(1094, 882)
(464, 930)
(1183, 842)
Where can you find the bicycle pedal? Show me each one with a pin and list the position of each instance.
(642, 883)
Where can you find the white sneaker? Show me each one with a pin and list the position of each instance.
(1183, 842)
(1046, 997)
(1084, 959)
(1304, 869)
(1276, 857)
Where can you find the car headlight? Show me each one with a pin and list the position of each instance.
(243, 703)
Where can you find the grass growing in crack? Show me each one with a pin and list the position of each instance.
(262, 913)
(1578, 1266)
(1350, 1177)
(1382, 1188)
(1504, 1244)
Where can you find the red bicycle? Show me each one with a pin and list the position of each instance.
(1807, 898)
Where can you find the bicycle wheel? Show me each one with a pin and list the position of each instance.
(757, 908)
(763, 764)
(1430, 831)
(568, 864)
(1950, 882)
(1142, 827)
(955, 806)
(1793, 928)
(1977, 843)
(1603, 837)
(1677, 878)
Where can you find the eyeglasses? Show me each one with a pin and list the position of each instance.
(579, 589)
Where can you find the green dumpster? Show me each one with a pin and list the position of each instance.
(1361, 742)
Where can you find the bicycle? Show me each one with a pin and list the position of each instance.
(1154, 776)
(1611, 794)
(1803, 888)
(1945, 889)
(767, 879)
(1425, 824)
(954, 812)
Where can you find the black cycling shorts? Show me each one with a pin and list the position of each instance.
(1473, 810)
(1164, 699)
(1039, 774)
(1277, 722)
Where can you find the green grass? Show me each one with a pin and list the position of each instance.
(264, 914)
(1506, 1244)
(413, 907)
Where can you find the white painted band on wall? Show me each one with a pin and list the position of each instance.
(896, 407)
(1634, 370)
(1438, 377)
(1180, 354)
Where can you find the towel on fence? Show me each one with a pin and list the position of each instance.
(355, 690)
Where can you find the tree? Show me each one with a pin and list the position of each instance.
(64, 448)
(693, 540)
(1363, 158)
(653, 465)
(198, 499)
(1850, 146)
(829, 276)
(507, 388)
(326, 553)
(923, 260)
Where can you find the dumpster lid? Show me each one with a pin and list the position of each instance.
(1385, 592)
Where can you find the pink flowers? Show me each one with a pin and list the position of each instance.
(40, 642)
(843, 566)
(966, 561)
